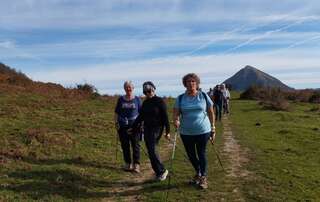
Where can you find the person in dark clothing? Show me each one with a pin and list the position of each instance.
(218, 101)
(154, 116)
(126, 111)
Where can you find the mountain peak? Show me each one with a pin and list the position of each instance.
(249, 67)
(250, 75)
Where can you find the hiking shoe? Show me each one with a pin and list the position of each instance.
(127, 167)
(203, 182)
(195, 180)
(163, 176)
(136, 168)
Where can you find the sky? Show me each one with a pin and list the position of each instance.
(106, 42)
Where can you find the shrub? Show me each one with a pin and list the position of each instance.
(276, 104)
(315, 109)
(270, 98)
(253, 93)
(88, 89)
(315, 97)
(261, 93)
(267, 93)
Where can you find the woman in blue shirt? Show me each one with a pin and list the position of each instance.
(126, 111)
(194, 116)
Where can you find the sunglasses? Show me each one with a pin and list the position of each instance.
(146, 91)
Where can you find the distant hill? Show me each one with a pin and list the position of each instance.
(11, 76)
(249, 76)
(13, 81)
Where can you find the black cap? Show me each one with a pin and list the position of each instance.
(148, 86)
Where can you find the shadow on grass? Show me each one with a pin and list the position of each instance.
(73, 161)
(67, 184)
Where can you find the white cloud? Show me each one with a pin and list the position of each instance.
(174, 28)
(7, 44)
(19, 14)
(162, 70)
(159, 44)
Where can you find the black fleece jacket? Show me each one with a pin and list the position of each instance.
(153, 113)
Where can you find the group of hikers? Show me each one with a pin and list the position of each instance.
(220, 95)
(193, 117)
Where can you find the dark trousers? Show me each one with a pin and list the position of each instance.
(127, 140)
(218, 111)
(195, 146)
(151, 136)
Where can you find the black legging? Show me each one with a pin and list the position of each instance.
(151, 136)
(195, 146)
(126, 140)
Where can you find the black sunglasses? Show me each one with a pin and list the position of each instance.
(146, 91)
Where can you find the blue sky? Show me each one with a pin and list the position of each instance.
(105, 43)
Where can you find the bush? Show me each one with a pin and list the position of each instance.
(265, 93)
(276, 104)
(262, 93)
(253, 93)
(315, 98)
(315, 109)
(89, 89)
(270, 98)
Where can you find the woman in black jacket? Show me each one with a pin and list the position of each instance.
(154, 116)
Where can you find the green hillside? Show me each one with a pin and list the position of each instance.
(57, 148)
(283, 150)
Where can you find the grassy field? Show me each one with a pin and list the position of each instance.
(56, 149)
(64, 150)
(284, 150)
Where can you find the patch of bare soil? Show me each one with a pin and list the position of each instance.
(237, 157)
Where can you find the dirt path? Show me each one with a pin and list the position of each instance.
(130, 189)
(237, 157)
(132, 185)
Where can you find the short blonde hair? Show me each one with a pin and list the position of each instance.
(191, 76)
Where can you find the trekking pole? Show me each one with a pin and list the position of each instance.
(217, 154)
(171, 162)
(116, 143)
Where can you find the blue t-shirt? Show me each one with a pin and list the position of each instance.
(127, 110)
(193, 113)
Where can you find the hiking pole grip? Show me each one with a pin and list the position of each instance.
(212, 137)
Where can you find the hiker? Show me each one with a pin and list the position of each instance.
(210, 92)
(226, 98)
(193, 115)
(154, 116)
(218, 102)
(126, 111)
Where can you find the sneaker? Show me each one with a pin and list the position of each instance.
(195, 180)
(164, 175)
(127, 167)
(203, 182)
(136, 168)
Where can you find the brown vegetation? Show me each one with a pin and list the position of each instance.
(277, 99)
(259, 93)
(46, 137)
(269, 98)
(12, 81)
